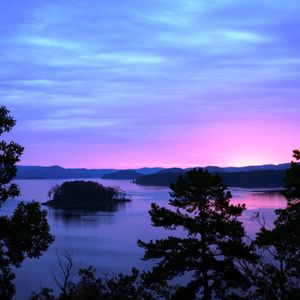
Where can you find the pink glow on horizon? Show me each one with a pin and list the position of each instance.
(232, 143)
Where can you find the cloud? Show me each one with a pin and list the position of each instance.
(141, 73)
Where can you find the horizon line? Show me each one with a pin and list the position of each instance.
(153, 167)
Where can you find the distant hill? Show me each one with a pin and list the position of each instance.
(172, 170)
(248, 168)
(123, 174)
(253, 179)
(57, 172)
(146, 171)
(162, 178)
(247, 179)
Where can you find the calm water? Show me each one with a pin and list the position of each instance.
(108, 240)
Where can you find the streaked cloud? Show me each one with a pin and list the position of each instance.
(151, 77)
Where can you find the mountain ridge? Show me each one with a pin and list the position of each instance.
(58, 172)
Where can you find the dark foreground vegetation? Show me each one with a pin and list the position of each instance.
(214, 260)
(85, 195)
(26, 233)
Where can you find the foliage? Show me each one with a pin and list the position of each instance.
(207, 254)
(93, 287)
(9, 155)
(292, 181)
(277, 276)
(119, 287)
(87, 194)
(26, 232)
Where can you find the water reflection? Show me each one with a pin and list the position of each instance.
(258, 199)
(67, 216)
(77, 216)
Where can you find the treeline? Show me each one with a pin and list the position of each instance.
(249, 179)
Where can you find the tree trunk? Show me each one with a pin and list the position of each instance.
(207, 290)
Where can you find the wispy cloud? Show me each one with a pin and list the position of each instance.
(160, 73)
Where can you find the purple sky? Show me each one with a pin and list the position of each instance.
(152, 83)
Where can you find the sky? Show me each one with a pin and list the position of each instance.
(169, 83)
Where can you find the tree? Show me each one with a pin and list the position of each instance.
(292, 181)
(213, 240)
(279, 271)
(26, 233)
(90, 285)
(9, 155)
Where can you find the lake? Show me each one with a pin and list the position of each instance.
(108, 240)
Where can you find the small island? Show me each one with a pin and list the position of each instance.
(85, 195)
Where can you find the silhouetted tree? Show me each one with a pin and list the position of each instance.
(292, 181)
(26, 233)
(92, 286)
(9, 155)
(206, 256)
(278, 274)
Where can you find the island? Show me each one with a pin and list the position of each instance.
(85, 195)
